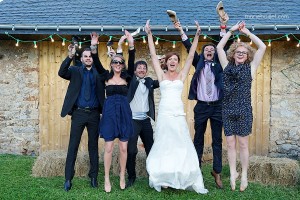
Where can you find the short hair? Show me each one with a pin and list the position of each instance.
(234, 46)
(140, 62)
(85, 49)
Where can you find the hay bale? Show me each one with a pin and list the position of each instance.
(207, 157)
(273, 171)
(52, 163)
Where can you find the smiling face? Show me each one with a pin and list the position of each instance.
(172, 63)
(117, 64)
(209, 52)
(86, 58)
(240, 55)
(140, 71)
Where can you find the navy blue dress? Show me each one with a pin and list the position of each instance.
(237, 109)
(116, 121)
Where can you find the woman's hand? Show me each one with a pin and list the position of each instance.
(198, 28)
(94, 38)
(129, 38)
(244, 30)
(147, 27)
(237, 26)
(122, 39)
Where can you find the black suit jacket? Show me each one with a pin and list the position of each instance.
(149, 83)
(74, 74)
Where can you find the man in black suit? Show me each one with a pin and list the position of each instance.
(83, 101)
(141, 98)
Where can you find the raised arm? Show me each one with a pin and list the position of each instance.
(64, 71)
(94, 49)
(260, 51)
(220, 47)
(186, 42)
(187, 65)
(131, 52)
(155, 62)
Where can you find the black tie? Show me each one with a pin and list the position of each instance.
(87, 91)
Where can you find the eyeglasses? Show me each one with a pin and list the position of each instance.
(241, 52)
(117, 62)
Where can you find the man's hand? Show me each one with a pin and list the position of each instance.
(71, 50)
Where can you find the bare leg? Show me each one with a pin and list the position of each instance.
(107, 163)
(231, 150)
(123, 159)
(244, 156)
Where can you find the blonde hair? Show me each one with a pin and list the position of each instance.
(234, 46)
(122, 58)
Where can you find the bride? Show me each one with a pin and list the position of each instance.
(173, 161)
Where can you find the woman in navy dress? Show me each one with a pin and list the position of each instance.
(240, 67)
(116, 121)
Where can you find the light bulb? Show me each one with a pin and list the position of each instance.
(63, 42)
(174, 44)
(204, 37)
(34, 42)
(156, 42)
(79, 45)
(17, 44)
(144, 39)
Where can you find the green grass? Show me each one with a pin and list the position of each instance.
(16, 182)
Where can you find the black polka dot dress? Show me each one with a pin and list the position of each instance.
(237, 109)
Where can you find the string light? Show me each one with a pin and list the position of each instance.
(174, 44)
(63, 42)
(79, 45)
(156, 42)
(52, 40)
(110, 37)
(143, 38)
(126, 43)
(238, 38)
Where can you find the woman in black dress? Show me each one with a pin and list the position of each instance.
(240, 67)
(116, 121)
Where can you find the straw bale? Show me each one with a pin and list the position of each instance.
(52, 163)
(273, 171)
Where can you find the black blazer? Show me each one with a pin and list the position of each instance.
(74, 75)
(149, 83)
(198, 63)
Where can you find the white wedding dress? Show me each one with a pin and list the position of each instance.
(173, 160)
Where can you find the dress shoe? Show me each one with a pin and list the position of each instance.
(94, 182)
(218, 179)
(172, 15)
(67, 185)
(130, 182)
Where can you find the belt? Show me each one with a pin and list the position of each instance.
(86, 109)
(210, 102)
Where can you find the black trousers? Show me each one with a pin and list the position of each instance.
(142, 128)
(203, 112)
(80, 120)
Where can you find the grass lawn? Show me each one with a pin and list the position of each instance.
(16, 182)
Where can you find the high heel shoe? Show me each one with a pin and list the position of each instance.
(232, 180)
(222, 14)
(244, 184)
(107, 186)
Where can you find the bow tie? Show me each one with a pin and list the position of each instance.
(142, 80)
(210, 62)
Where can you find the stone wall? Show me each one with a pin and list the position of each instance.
(285, 100)
(19, 84)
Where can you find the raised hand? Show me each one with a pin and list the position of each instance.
(198, 27)
(129, 38)
(244, 30)
(237, 26)
(121, 40)
(94, 38)
(71, 50)
(178, 26)
(147, 27)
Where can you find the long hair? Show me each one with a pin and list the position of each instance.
(124, 73)
(234, 46)
(168, 55)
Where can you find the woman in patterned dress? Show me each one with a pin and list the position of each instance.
(240, 65)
